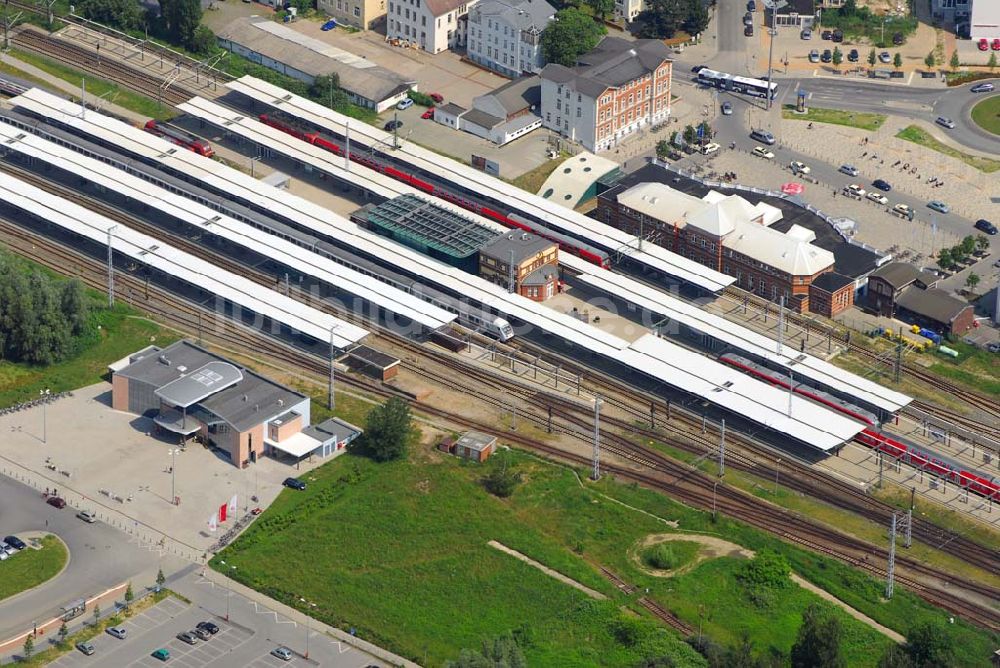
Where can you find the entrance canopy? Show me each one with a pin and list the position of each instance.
(297, 445)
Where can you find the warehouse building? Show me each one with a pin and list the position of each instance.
(289, 52)
(901, 290)
(192, 393)
(431, 229)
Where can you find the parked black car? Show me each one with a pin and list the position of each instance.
(294, 483)
(826, 34)
(853, 56)
(15, 542)
(837, 36)
(882, 185)
(748, 31)
(827, 56)
(208, 626)
(751, 6)
(393, 125)
(897, 39)
(986, 226)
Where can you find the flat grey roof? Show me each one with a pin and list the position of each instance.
(476, 440)
(252, 400)
(332, 429)
(200, 383)
(523, 245)
(933, 303)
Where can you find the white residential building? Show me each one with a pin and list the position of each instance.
(506, 37)
(433, 25)
(629, 9)
(616, 89)
(984, 22)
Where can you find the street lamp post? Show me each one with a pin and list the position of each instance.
(777, 469)
(714, 487)
(173, 476)
(44, 394)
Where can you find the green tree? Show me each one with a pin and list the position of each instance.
(129, 595)
(849, 8)
(203, 41)
(872, 57)
(180, 20)
(121, 14)
(895, 657)
(387, 430)
(929, 646)
(326, 89)
(502, 479)
(954, 62)
(500, 652)
(992, 62)
(972, 281)
(706, 131)
(63, 634)
(662, 148)
(968, 244)
(160, 579)
(662, 18)
(601, 8)
(945, 259)
(97, 614)
(958, 254)
(819, 640)
(930, 60)
(838, 56)
(897, 60)
(695, 18)
(982, 242)
(571, 34)
(29, 646)
(690, 134)
(768, 569)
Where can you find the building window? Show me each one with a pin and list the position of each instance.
(357, 11)
(423, 20)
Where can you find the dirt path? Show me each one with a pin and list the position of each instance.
(548, 571)
(711, 548)
(857, 614)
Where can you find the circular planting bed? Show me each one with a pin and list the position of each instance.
(986, 114)
(668, 554)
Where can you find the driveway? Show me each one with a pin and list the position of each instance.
(99, 557)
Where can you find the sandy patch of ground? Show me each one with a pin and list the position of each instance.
(711, 548)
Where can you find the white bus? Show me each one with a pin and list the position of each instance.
(737, 84)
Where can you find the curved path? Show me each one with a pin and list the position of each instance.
(100, 557)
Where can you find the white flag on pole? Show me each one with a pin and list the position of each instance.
(232, 505)
(213, 522)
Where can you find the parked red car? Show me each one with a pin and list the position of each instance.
(428, 114)
(56, 502)
(984, 44)
(996, 44)
(437, 97)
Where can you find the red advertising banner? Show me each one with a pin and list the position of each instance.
(222, 512)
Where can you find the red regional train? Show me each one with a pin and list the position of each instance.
(179, 137)
(869, 436)
(566, 243)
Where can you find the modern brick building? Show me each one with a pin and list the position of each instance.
(830, 294)
(613, 91)
(192, 393)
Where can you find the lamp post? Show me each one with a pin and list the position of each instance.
(173, 476)
(44, 394)
(228, 589)
(331, 401)
(714, 487)
(777, 469)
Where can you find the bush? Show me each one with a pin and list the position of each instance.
(422, 99)
(663, 557)
(767, 570)
(502, 480)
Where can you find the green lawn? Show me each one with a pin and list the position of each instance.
(103, 88)
(919, 136)
(533, 179)
(398, 551)
(986, 114)
(853, 119)
(29, 568)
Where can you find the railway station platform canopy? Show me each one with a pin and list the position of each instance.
(668, 363)
(801, 364)
(201, 217)
(146, 250)
(558, 217)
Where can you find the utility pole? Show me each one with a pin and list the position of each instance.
(791, 386)
(890, 571)
(908, 536)
(781, 322)
(596, 475)
(8, 23)
(331, 402)
(899, 360)
(111, 268)
(347, 150)
(511, 282)
(722, 449)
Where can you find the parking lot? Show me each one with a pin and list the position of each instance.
(158, 627)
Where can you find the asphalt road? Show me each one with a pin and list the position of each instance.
(100, 557)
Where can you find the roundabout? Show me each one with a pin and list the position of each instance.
(986, 114)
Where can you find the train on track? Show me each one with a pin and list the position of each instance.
(179, 137)
(11, 88)
(870, 436)
(566, 243)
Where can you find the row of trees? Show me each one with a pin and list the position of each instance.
(662, 19)
(950, 258)
(571, 34)
(41, 319)
(178, 21)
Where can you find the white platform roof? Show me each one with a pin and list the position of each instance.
(297, 445)
(763, 403)
(390, 298)
(802, 365)
(558, 217)
(165, 258)
(325, 222)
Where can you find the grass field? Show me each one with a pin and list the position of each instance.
(986, 114)
(853, 119)
(974, 368)
(533, 179)
(29, 568)
(103, 88)
(398, 551)
(920, 136)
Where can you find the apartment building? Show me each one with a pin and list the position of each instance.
(984, 19)
(613, 91)
(629, 9)
(361, 14)
(506, 37)
(433, 25)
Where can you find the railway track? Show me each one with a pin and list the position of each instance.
(675, 479)
(79, 57)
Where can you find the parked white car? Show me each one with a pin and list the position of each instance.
(878, 197)
(762, 152)
(709, 149)
(799, 167)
